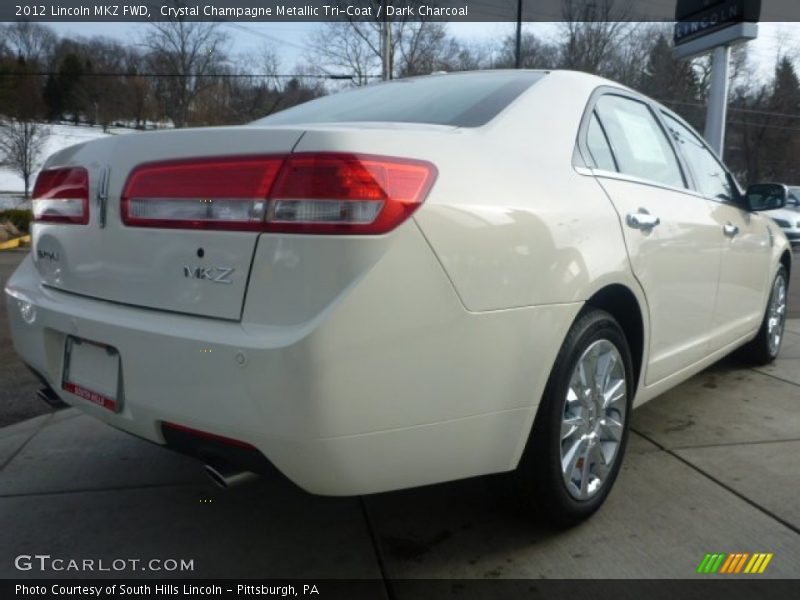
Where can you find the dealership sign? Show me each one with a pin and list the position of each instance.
(701, 25)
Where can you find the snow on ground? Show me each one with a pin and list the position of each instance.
(61, 136)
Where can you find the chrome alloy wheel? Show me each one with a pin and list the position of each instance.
(593, 419)
(776, 315)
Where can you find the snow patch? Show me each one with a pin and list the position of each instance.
(61, 136)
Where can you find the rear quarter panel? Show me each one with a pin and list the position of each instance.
(512, 221)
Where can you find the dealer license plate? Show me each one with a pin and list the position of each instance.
(91, 372)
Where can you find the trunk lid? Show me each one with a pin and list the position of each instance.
(198, 272)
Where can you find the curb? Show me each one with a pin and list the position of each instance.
(15, 243)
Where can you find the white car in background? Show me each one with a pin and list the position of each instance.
(788, 217)
(409, 283)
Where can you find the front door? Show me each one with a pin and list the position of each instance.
(744, 237)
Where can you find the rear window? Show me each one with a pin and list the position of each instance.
(460, 100)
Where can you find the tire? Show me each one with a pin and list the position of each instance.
(539, 481)
(764, 348)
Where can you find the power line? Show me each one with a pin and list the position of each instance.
(733, 108)
(764, 125)
(265, 36)
(333, 76)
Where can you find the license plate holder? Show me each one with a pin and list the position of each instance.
(92, 372)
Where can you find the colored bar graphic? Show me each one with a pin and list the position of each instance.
(703, 563)
(765, 563)
(741, 562)
(717, 563)
(727, 564)
(757, 564)
(710, 563)
(736, 562)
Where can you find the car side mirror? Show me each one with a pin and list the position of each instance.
(766, 196)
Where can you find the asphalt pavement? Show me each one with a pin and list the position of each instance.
(17, 384)
(712, 467)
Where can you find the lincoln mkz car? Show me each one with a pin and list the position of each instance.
(409, 283)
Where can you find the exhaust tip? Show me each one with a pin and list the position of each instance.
(226, 477)
(48, 396)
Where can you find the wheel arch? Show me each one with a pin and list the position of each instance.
(786, 261)
(621, 303)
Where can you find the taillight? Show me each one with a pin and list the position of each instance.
(62, 196)
(220, 193)
(300, 193)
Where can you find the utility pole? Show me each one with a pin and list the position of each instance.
(518, 49)
(718, 99)
(386, 44)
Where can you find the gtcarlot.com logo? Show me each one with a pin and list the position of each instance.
(46, 562)
(735, 563)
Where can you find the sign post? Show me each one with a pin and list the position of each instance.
(705, 25)
(717, 110)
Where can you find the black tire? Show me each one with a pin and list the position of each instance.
(760, 351)
(538, 482)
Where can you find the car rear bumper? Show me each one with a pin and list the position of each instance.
(394, 385)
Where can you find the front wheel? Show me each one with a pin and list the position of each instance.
(767, 344)
(578, 439)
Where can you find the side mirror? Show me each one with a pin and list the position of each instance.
(766, 196)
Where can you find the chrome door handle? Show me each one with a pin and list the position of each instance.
(642, 220)
(730, 229)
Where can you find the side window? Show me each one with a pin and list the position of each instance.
(712, 179)
(640, 145)
(598, 146)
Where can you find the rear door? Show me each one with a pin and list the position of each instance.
(670, 232)
(745, 240)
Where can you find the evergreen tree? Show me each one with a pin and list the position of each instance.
(70, 75)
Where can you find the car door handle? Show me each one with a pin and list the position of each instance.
(730, 230)
(642, 220)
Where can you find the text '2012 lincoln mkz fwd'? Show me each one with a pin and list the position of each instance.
(410, 283)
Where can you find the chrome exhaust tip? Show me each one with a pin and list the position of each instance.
(48, 396)
(226, 477)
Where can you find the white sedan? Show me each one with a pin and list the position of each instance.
(788, 218)
(404, 284)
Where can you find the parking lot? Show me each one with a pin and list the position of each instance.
(712, 466)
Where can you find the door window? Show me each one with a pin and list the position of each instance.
(597, 142)
(639, 144)
(712, 178)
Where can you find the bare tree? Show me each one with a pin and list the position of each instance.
(21, 145)
(593, 33)
(270, 65)
(474, 55)
(187, 53)
(426, 47)
(335, 48)
(535, 53)
(354, 47)
(32, 42)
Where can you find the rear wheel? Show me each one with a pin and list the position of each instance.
(575, 450)
(767, 344)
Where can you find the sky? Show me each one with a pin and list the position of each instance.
(289, 39)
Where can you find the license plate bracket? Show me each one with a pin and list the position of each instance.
(92, 371)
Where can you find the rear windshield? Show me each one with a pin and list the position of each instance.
(460, 100)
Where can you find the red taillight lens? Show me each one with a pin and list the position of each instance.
(347, 193)
(301, 193)
(62, 196)
(221, 193)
